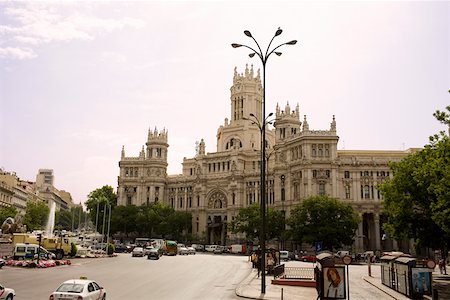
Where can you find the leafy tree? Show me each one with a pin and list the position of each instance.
(325, 219)
(36, 215)
(97, 204)
(6, 212)
(123, 219)
(248, 221)
(68, 219)
(417, 200)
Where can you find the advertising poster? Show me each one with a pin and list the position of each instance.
(421, 281)
(334, 283)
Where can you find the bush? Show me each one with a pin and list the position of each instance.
(110, 249)
(73, 250)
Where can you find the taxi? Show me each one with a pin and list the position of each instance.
(79, 289)
(6, 293)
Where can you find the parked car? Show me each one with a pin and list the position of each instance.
(284, 255)
(154, 253)
(183, 251)
(191, 250)
(6, 293)
(210, 248)
(198, 247)
(79, 289)
(137, 251)
(308, 258)
(219, 250)
(2, 262)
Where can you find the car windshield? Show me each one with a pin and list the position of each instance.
(70, 288)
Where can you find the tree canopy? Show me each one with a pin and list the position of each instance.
(248, 221)
(324, 219)
(100, 199)
(6, 212)
(36, 215)
(417, 200)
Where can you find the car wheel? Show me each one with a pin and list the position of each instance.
(104, 297)
(10, 297)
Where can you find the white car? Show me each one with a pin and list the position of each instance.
(137, 251)
(191, 250)
(183, 251)
(6, 293)
(79, 289)
(147, 250)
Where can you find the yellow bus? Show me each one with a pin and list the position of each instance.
(170, 248)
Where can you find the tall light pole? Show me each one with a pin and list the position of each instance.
(264, 58)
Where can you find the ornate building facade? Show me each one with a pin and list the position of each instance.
(300, 163)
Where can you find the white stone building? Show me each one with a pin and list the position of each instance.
(301, 162)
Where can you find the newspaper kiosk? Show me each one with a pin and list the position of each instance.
(330, 278)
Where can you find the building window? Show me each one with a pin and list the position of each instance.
(347, 192)
(198, 200)
(129, 200)
(190, 202)
(314, 173)
(181, 202)
(321, 188)
(366, 192)
(283, 194)
(234, 198)
(314, 150)
(347, 174)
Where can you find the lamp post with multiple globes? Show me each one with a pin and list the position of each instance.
(264, 57)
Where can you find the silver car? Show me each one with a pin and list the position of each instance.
(137, 251)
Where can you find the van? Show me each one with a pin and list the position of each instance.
(284, 255)
(27, 251)
(210, 248)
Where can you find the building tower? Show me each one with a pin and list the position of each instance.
(287, 122)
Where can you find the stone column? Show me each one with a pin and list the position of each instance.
(376, 219)
(222, 234)
(360, 236)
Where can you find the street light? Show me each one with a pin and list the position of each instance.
(264, 58)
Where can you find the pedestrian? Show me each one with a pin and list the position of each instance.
(270, 263)
(258, 261)
(442, 269)
(253, 260)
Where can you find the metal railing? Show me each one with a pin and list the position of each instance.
(281, 271)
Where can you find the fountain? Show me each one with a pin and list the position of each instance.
(51, 220)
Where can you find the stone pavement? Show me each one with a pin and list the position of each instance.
(250, 288)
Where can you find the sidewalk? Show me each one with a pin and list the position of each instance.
(250, 288)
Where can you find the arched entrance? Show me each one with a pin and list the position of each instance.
(217, 218)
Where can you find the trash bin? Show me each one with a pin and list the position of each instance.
(387, 270)
(402, 275)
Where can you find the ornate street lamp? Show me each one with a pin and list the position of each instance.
(264, 58)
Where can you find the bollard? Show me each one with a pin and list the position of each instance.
(281, 293)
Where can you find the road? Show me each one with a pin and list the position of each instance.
(201, 276)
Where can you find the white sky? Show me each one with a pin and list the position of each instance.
(80, 79)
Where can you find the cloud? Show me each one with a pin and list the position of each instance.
(17, 53)
(35, 24)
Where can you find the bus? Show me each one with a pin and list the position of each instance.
(171, 248)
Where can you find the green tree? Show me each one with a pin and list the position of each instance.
(100, 199)
(70, 219)
(248, 221)
(417, 200)
(123, 219)
(324, 219)
(6, 212)
(36, 215)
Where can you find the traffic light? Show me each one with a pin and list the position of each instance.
(39, 237)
